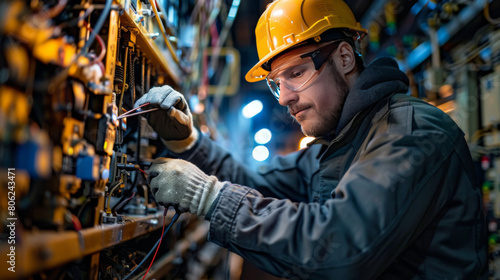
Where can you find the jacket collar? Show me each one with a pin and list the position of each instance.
(380, 78)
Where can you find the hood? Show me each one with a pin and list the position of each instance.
(380, 78)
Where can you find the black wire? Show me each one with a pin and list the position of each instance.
(85, 202)
(122, 203)
(174, 219)
(97, 26)
(122, 199)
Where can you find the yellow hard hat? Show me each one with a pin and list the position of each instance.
(287, 23)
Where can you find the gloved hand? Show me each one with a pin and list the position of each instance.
(174, 123)
(178, 183)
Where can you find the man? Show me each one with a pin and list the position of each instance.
(387, 190)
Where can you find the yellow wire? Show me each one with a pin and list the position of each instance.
(486, 12)
(108, 209)
(174, 55)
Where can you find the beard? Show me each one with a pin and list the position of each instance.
(328, 121)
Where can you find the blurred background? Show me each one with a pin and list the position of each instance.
(74, 200)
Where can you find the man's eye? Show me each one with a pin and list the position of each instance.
(296, 74)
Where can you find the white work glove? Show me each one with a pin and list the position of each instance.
(174, 122)
(178, 183)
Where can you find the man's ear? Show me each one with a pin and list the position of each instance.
(346, 59)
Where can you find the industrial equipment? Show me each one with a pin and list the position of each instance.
(74, 173)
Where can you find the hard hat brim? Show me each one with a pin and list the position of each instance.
(257, 73)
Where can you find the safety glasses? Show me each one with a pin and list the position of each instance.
(298, 73)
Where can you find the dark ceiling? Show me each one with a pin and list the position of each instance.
(358, 8)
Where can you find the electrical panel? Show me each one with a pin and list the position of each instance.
(77, 203)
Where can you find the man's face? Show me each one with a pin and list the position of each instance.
(318, 106)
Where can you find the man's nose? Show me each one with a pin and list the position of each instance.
(287, 96)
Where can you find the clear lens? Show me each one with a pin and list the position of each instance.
(274, 87)
(294, 75)
(291, 75)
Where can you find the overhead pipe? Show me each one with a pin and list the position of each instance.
(425, 49)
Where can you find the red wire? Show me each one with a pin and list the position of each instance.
(143, 172)
(162, 231)
(76, 222)
(101, 44)
(215, 35)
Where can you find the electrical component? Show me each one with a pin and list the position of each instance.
(34, 156)
(87, 167)
(69, 69)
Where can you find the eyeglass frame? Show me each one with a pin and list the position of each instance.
(318, 57)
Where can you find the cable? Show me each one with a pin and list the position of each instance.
(487, 15)
(221, 37)
(108, 210)
(161, 238)
(97, 60)
(162, 29)
(101, 44)
(229, 21)
(76, 222)
(163, 14)
(474, 53)
(82, 206)
(122, 203)
(174, 219)
(97, 27)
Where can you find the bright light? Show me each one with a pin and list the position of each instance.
(263, 136)
(252, 109)
(204, 129)
(260, 153)
(196, 106)
(193, 101)
(445, 91)
(304, 141)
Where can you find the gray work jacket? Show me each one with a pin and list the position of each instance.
(393, 196)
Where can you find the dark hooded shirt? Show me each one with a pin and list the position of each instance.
(379, 79)
(393, 196)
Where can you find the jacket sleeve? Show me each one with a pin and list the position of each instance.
(286, 176)
(387, 197)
